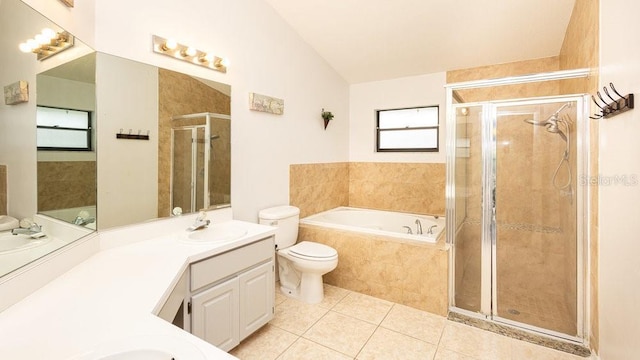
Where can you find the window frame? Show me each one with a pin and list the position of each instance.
(88, 130)
(424, 149)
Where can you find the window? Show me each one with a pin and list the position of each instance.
(411, 129)
(63, 129)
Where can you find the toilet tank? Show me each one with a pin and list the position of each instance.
(285, 218)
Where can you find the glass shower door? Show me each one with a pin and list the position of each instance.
(535, 252)
(181, 169)
(468, 204)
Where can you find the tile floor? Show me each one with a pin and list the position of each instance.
(350, 325)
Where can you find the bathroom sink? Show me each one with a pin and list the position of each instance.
(11, 243)
(145, 347)
(140, 354)
(216, 233)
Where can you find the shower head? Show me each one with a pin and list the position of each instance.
(551, 123)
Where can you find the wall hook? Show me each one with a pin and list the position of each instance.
(615, 107)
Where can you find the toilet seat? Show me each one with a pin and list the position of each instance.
(313, 251)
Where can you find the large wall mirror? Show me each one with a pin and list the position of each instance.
(87, 175)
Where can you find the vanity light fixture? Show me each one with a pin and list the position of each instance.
(47, 43)
(190, 54)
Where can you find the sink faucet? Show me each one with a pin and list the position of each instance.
(200, 222)
(408, 229)
(418, 227)
(430, 231)
(32, 230)
(79, 220)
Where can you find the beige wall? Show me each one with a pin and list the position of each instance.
(404, 187)
(318, 187)
(180, 94)
(408, 273)
(66, 184)
(580, 49)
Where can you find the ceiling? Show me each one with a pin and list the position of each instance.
(385, 39)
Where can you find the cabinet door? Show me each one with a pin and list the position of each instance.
(214, 316)
(257, 298)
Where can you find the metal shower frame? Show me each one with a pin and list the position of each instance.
(488, 245)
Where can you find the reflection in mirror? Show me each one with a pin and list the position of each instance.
(198, 109)
(18, 154)
(136, 177)
(66, 151)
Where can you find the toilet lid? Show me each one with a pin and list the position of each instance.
(314, 250)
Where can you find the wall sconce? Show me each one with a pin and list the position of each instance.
(190, 54)
(47, 43)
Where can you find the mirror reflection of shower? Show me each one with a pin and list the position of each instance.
(561, 125)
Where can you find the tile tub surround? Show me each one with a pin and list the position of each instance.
(3, 190)
(412, 274)
(66, 184)
(351, 325)
(316, 188)
(417, 188)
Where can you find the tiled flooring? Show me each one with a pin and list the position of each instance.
(350, 325)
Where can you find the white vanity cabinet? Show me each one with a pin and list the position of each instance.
(232, 294)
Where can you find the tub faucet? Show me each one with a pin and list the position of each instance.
(408, 229)
(430, 231)
(418, 227)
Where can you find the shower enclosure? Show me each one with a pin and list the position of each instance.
(194, 184)
(517, 210)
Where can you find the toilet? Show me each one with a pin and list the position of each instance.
(300, 265)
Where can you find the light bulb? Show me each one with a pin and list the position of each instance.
(190, 51)
(33, 44)
(209, 57)
(42, 40)
(49, 34)
(170, 44)
(222, 62)
(24, 47)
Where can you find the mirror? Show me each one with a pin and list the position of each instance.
(133, 177)
(65, 120)
(136, 176)
(18, 154)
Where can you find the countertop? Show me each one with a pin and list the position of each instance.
(111, 297)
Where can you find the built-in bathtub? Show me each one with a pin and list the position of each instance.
(377, 257)
(406, 226)
(87, 213)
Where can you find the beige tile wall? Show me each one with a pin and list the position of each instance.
(179, 94)
(66, 184)
(405, 187)
(414, 275)
(411, 274)
(580, 49)
(318, 187)
(3, 190)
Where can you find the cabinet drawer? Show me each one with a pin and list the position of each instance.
(208, 271)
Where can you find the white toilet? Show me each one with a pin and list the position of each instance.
(301, 265)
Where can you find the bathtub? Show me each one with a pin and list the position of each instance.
(378, 222)
(69, 214)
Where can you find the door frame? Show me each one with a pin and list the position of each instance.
(488, 284)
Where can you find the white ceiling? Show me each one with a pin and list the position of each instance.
(368, 40)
